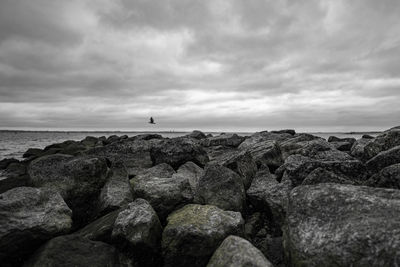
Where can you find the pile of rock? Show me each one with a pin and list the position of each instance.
(270, 199)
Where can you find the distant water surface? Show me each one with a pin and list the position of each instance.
(13, 144)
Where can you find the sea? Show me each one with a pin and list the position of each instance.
(13, 144)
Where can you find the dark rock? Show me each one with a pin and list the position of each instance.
(230, 140)
(272, 248)
(342, 225)
(240, 162)
(342, 146)
(382, 142)
(32, 152)
(358, 148)
(191, 172)
(5, 162)
(267, 194)
(286, 131)
(117, 191)
(28, 217)
(90, 141)
(236, 251)
(100, 229)
(388, 177)
(337, 139)
(147, 137)
(384, 159)
(78, 180)
(265, 153)
(197, 135)
(321, 175)
(177, 152)
(72, 250)
(291, 146)
(162, 170)
(253, 224)
(221, 187)
(13, 176)
(367, 136)
(195, 231)
(137, 230)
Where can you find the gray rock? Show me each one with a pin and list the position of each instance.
(162, 170)
(221, 187)
(291, 146)
(358, 148)
(342, 146)
(238, 252)
(337, 139)
(286, 131)
(197, 135)
(388, 177)
(32, 152)
(66, 251)
(342, 225)
(100, 229)
(191, 172)
(78, 180)
(321, 175)
(264, 152)
(14, 175)
(7, 161)
(267, 194)
(137, 230)
(385, 141)
(117, 191)
(384, 159)
(28, 217)
(230, 140)
(177, 152)
(195, 231)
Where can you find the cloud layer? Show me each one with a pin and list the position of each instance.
(328, 65)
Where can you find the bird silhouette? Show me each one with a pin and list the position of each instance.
(152, 121)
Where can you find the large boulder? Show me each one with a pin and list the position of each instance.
(384, 159)
(72, 250)
(267, 194)
(265, 152)
(197, 135)
(137, 230)
(14, 175)
(382, 142)
(321, 175)
(358, 148)
(117, 191)
(388, 177)
(177, 152)
(79, 180)
(342, 225)
(221, 187)
(195, 231)
(28, 217)
(190, 171)
(162, 170)
(238, 252)
(228, 140)
(291, 146)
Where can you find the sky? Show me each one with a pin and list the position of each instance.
(249, 65)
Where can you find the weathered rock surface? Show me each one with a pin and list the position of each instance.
(191, 172)
(66, 251)
(265, 153)
(177, 152)
(28, 217)
(321, 175)
(195, 231)
(100, 229)
(221, 187)
(78, 180)
(238, 252)
(291, 146)
(229, 140)
(342, 225)
(358, 148)
(197, 135)
(384, 159)
(388, 177)
(13, 175)
(137, 230)
(385, 141)
(162, 170)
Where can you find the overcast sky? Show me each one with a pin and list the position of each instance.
(312, 65)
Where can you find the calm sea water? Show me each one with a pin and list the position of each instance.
(13, 144)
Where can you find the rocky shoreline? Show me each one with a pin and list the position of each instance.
(275, 198)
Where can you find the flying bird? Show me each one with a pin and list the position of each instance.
(152, 121)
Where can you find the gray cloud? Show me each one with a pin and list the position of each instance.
(212, 65)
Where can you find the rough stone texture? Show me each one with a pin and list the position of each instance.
(197, 135)
(238, 252)
(14, 175)
(32, 152)
(285, 131)
(384, 159)
(195, 231)
(388, 177)
(164, 194)
(320, 175)
(337, 139)
(342, 146)
(358, 148)
(240, 162)
(117, 191)
(191, 172)
(28, 217)
(162, 170)
(78, 180)
(342, 225)
(221, 187)
(264, 152)
(267, 194)
(230, 140)
(72, 250)
(382, 142)
(7, 161)
(177, 152)
(291, 146)
(137, 230)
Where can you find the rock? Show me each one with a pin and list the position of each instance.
(137, 230)
(28, 217)
(164, 194)
(5, 162)
(367, 136)
(272, 248)
(382, 142)
(321, 175)
(267, 194)
(197, 135)
(177, 152)
(237, 252)
(100, 229)
(162, 170)
(221, 187)
(388, 177)
(13, 176)
(147, 137)
(358, 148)
(342, 225)
(65, 251)
(230, 140)
(337, 139)
(265, 153)
(240, 162)
(117, 191)
(286, 131)
(89, 141)
(384, 159)
(195, 231)
(78, 180)
(342, 146)
(291, 146)
(191, 172)
(32, 152)
(253, 223)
